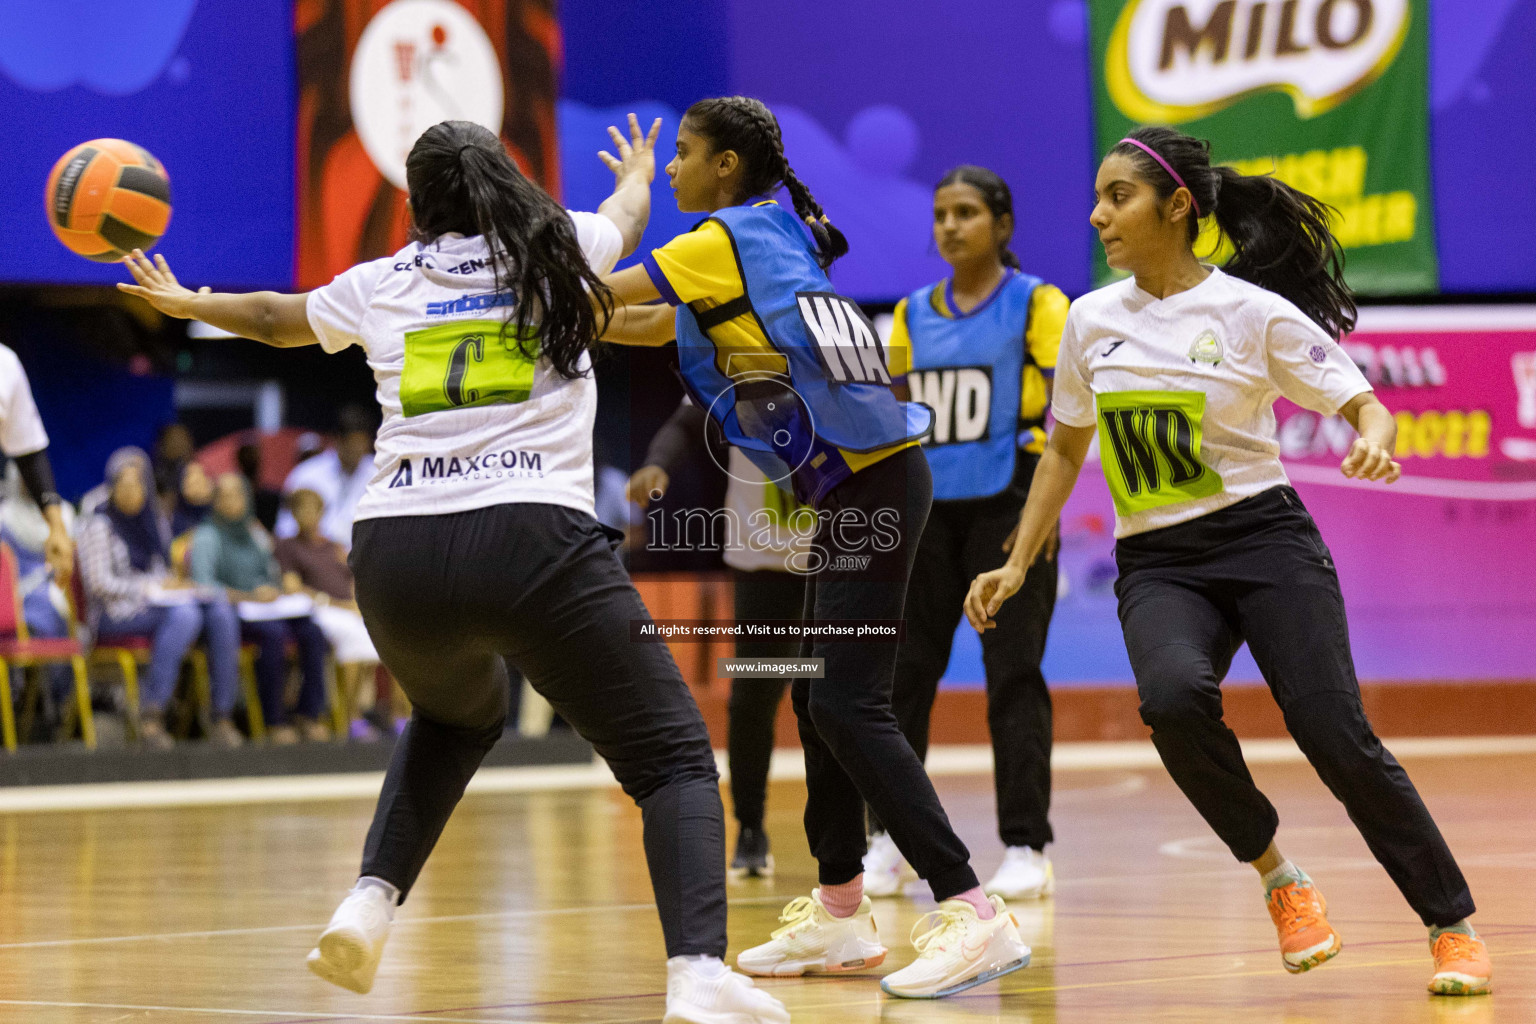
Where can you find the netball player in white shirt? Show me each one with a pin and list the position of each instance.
(1178, 367)
(476, 540)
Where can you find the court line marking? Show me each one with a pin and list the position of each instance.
(787, 765)
(855, 978)
(277, 1015)
(1334, 966)
(490, 915)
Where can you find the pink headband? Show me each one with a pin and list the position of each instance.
(1167, 167)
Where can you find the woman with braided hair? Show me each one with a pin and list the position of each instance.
(797, 379)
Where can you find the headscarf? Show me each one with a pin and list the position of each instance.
(144, 532)
(244, 562)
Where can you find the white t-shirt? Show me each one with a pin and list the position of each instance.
(1182, 390)
(21, 428)
(468, 421)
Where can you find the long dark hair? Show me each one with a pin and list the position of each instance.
(746, 126)
(994, 192)
(1280, 235)
(462, 180)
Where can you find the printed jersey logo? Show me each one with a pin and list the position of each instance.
(961, 400)
(487, 465)
(1151, 445)
(1206, 348)
(847, 344)
(470, 303)
(402, 477)
(1112, 346)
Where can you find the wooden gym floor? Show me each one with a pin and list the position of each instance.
(536, 908)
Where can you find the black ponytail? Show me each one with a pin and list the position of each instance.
(746, 126)
(1280, 236)
(462, 180)
(994, 192)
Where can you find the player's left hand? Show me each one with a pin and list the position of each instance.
(637, 154)
(1369, 460)
(157, 286)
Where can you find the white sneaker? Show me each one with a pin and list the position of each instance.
(350, 947)
(702, 990)
(812, 941)
(884, 867)
(1025, 874)
(956, 950)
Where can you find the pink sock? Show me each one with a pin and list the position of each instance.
(843, 900)
(978, 899)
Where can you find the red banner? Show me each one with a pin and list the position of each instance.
(375, 74)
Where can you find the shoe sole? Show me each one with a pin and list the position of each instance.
(1316, 959)
(697, 1015)
(341, 955)
(1460, 985)
(969, 983)
(800, 968)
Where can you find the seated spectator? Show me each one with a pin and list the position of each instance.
(43, 604)
(339, 476)
(193, 499)
(308, 445)
(230, 550)
(124, 569)
(319, 566)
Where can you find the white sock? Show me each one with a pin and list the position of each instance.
(374, 882)
(707, 966)
(1284, 874)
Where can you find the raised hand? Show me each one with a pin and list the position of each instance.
(637, 154)
(157, 286)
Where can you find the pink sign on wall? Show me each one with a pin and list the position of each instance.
(1438, 570)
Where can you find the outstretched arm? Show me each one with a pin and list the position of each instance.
(643, 326)
(271, 318)
(633, 169)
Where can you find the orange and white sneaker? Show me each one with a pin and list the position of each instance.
(1301, 917)
(812, 941)
(1462, 967)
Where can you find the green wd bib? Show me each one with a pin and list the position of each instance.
(1149, 442)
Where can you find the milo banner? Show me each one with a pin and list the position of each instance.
(1331, 96)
